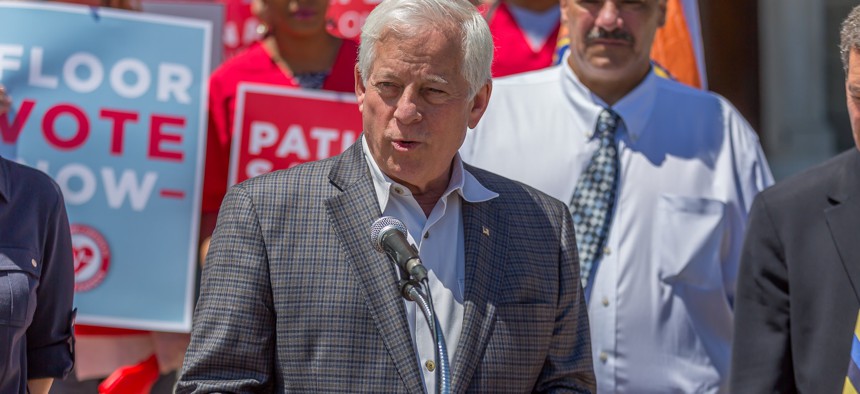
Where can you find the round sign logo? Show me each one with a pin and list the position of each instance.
(92, 257)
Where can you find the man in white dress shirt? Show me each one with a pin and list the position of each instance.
(661, 287)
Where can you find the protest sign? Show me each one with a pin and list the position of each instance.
(345, 17)
(111, 104)
(278, 127)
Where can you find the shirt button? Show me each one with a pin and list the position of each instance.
(605, 301)
(398, 190)
(33, 261)
(607, 251)
(430, 365)
(604, 357)
(427, 235)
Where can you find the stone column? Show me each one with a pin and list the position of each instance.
(794, 120)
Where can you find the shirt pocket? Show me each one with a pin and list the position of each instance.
(688, 240)
(19, 276)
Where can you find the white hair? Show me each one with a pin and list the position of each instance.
(412, 17)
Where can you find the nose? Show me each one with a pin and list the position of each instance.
(407, 109)
(608, 17)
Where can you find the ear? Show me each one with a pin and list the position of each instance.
(479, 104)
(261, 10)
(359, 87)
(661, 8)
(563, 5)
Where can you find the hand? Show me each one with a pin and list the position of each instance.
(5, 100)
(131, 5)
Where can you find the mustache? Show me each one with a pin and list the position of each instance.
(601, 33)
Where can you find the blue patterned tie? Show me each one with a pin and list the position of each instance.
(594, 196)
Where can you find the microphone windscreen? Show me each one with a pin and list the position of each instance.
(382, 226)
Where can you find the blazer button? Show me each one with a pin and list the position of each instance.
(430, 365)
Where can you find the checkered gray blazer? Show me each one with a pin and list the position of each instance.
(295, 299)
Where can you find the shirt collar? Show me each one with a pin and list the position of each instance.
(634, 109)
(462, 182)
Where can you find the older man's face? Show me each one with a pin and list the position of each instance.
(611, 39)
(852, 94)
(416, 107)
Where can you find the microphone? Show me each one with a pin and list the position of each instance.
(389, 236)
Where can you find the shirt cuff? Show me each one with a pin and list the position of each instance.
(53, 361)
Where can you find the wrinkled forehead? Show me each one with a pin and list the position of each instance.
(854, 66)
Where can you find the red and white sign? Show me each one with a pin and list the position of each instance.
(91, 256)
(345, 17)
(278, 127)
(240, 27)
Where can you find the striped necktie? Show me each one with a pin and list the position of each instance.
(594, 196)
(852, 378)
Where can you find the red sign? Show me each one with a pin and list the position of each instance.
(345, 17)
(278, 127)
(240, 27)
(91, 256)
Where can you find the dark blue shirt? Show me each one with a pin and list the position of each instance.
(36, 279)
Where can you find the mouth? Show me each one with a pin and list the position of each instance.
(404, 145)
(608, 42)
(304, 14)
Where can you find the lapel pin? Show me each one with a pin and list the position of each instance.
(486, 231)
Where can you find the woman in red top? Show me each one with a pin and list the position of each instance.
(297, 51)
(524, 32)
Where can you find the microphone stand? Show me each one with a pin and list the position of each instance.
(411, 290)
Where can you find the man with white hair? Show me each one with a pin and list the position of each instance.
(295, 298)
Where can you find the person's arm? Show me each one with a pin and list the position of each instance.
(49, 336)
(5, 101)
(761, 354)
(752, 175)
(207, 227)
(233, 336)
(40, 386)
(568, 366)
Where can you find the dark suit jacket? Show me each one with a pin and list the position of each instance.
(799, 283)
(295, 298)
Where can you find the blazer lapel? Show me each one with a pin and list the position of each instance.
(842, 219)
(351, 213)
(485, 235)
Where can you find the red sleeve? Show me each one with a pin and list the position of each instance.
(217, 142)
(342, 76)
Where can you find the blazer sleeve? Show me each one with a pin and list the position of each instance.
(568, 366)
(761, 354)
(232, 340)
